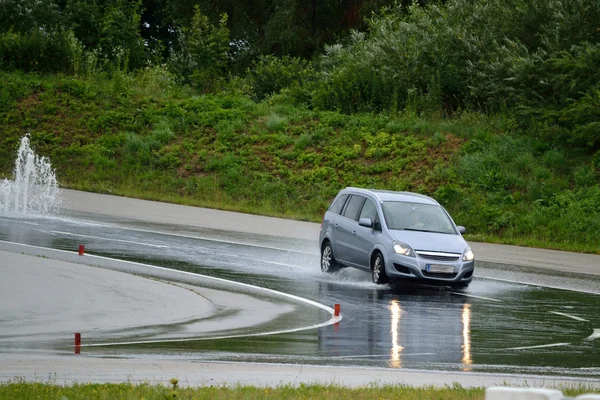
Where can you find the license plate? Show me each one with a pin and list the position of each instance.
(440, 269)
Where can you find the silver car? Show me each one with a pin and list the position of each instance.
(396, 236)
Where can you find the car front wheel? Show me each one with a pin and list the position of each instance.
(328, 263)
(378, 270)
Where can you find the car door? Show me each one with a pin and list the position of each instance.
(346, 230)
(366, 237)
(331, 221)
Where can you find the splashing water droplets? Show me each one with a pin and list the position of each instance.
(34, 188)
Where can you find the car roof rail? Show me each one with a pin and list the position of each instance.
(375, 192)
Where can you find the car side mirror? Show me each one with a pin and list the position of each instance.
(365, 222)
(462, 229)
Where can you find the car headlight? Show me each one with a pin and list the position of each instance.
(468, 255)
(404, 249)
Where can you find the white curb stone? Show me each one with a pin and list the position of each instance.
(508, 393)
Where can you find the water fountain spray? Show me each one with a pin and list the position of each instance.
(34, 189)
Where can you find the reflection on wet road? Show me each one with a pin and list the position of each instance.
(497, 325)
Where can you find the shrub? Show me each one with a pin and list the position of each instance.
(484, 55)
(276, 123)
(270, 75)
(37, 50)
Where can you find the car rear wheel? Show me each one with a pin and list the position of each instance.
(328, 263)
(378, 270)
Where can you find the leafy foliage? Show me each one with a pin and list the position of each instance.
(489, 105)
(275, 27)
(203, 51)
(270, 75)
(118, 136)
(53, 36)
(37, 50)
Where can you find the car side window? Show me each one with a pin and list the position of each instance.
(338, 204)
(369, 210)
(354, 205)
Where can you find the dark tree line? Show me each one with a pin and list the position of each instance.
(45, 34)
(277, 27)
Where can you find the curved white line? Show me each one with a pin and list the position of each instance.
(330, 310)
(241, 335)
(276, 292)
(594, 335)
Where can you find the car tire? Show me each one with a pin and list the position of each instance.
(328, 263)
(378, 270)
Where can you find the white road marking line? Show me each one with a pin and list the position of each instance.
(111, 239)
(28, 223)
(541, 285)
(526, 283)
(477, 297)
(214, 240)
(43, 231)
(243, 335)
(594, 335)
(539, 346)
(329, 310)
(281, 264)
(569, 316)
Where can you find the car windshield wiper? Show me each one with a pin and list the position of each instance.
(422, 230)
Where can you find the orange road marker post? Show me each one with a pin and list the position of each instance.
(77, 343)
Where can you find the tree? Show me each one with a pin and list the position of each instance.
(33, 36)
(111, 28)
(202, 53)
(268, 27)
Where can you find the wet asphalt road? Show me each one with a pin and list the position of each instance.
(499, 324)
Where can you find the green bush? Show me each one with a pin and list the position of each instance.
(270, 75)
(483, 55)
(276, 123)
(37, 50)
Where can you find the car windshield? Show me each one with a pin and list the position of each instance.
(402, 215)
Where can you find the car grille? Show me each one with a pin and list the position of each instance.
(436, 256)
(438, 275)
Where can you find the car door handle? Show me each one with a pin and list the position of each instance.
(354, 232)
(336, 225)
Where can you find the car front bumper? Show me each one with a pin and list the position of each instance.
(399, 267)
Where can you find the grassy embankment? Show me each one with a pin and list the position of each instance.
(143, 136)
(22, 390)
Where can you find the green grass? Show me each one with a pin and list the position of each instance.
(228, 152)
(171, 390)
(128, 391)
